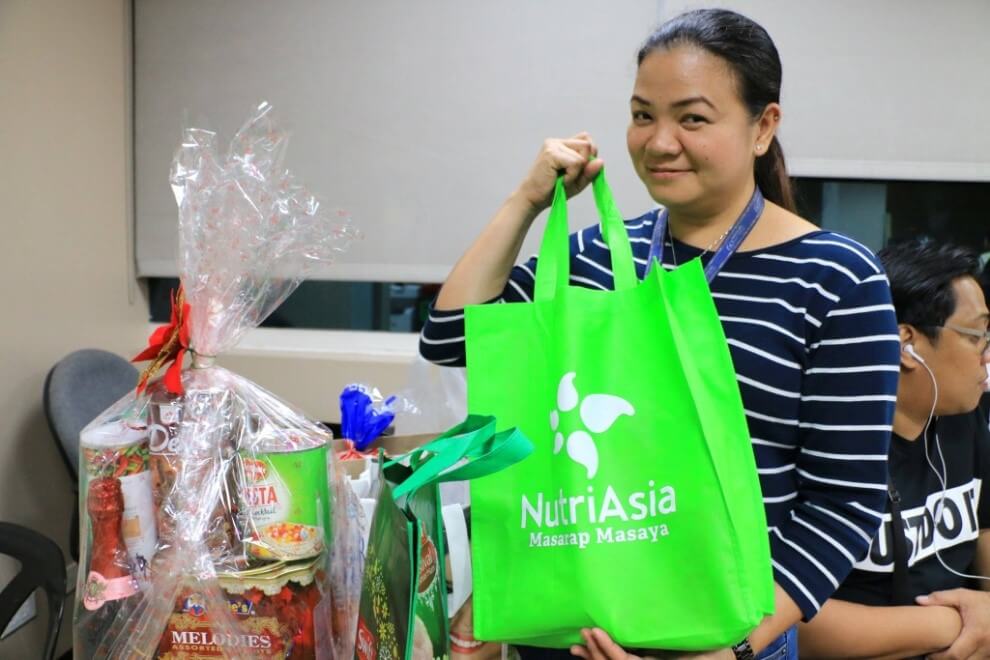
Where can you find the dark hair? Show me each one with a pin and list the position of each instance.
(921, 274)
(752, 56)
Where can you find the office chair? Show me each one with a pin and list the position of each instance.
(78, 388)
(42, 567)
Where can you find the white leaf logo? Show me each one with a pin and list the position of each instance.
(567, 394)
(598, 413)
(582, 450)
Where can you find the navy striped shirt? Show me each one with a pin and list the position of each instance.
(815, 344)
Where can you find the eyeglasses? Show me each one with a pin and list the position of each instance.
(970, 332)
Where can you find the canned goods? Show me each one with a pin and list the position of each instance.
(284, 510)
(121, 451)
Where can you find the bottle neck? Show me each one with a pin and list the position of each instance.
(109, 552)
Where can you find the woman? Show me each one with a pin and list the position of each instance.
(807, 313)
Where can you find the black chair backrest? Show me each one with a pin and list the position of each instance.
(42, 567)
(78, 388)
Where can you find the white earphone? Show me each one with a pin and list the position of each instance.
(941, 475)
(909, 349)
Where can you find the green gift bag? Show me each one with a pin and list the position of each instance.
(403, 610)
(640, 510)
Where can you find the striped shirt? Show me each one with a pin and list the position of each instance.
(814, 340)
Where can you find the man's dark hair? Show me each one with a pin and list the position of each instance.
(985, 282)
(921, 276)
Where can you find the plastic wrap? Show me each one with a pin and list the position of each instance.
(206, 501)
(346, 561)
(365, 415)
(438, 394)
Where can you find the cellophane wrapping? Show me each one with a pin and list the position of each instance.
(210, 508)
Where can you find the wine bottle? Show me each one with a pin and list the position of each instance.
(110, 587)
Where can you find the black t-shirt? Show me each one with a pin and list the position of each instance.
(965, 444)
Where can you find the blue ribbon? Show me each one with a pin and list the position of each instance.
(361, 421)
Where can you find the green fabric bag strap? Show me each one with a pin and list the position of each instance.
(463, 435)
(486, 454)
(444, 451)
(504, 450)
(553, 266)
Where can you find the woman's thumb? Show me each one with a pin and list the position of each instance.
(593, 167)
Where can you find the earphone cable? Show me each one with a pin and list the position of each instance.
(942, 476)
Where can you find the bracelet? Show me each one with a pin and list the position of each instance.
(744, 651)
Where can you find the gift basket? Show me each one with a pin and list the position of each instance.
(208, 503)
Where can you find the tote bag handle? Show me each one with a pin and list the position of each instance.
(553, 267)
(486, 453)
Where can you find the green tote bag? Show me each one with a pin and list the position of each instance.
(403, 609)
(640, 510)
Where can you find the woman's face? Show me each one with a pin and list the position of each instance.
(691, 139)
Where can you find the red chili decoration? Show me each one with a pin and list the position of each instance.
(168, 343)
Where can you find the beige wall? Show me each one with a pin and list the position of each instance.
(64, 108)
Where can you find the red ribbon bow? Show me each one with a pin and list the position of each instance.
(352, 453)
(168, 343)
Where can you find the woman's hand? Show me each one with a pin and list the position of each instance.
(599, 646)
(568, 156)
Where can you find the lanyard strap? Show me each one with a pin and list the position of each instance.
(900, 584)
(740, 230)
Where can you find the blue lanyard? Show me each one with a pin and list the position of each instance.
(732, 241)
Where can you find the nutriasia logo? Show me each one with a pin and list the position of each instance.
(601, 513)
(597, 413)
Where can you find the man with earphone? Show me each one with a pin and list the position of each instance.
(985, 283)
(923, 589)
